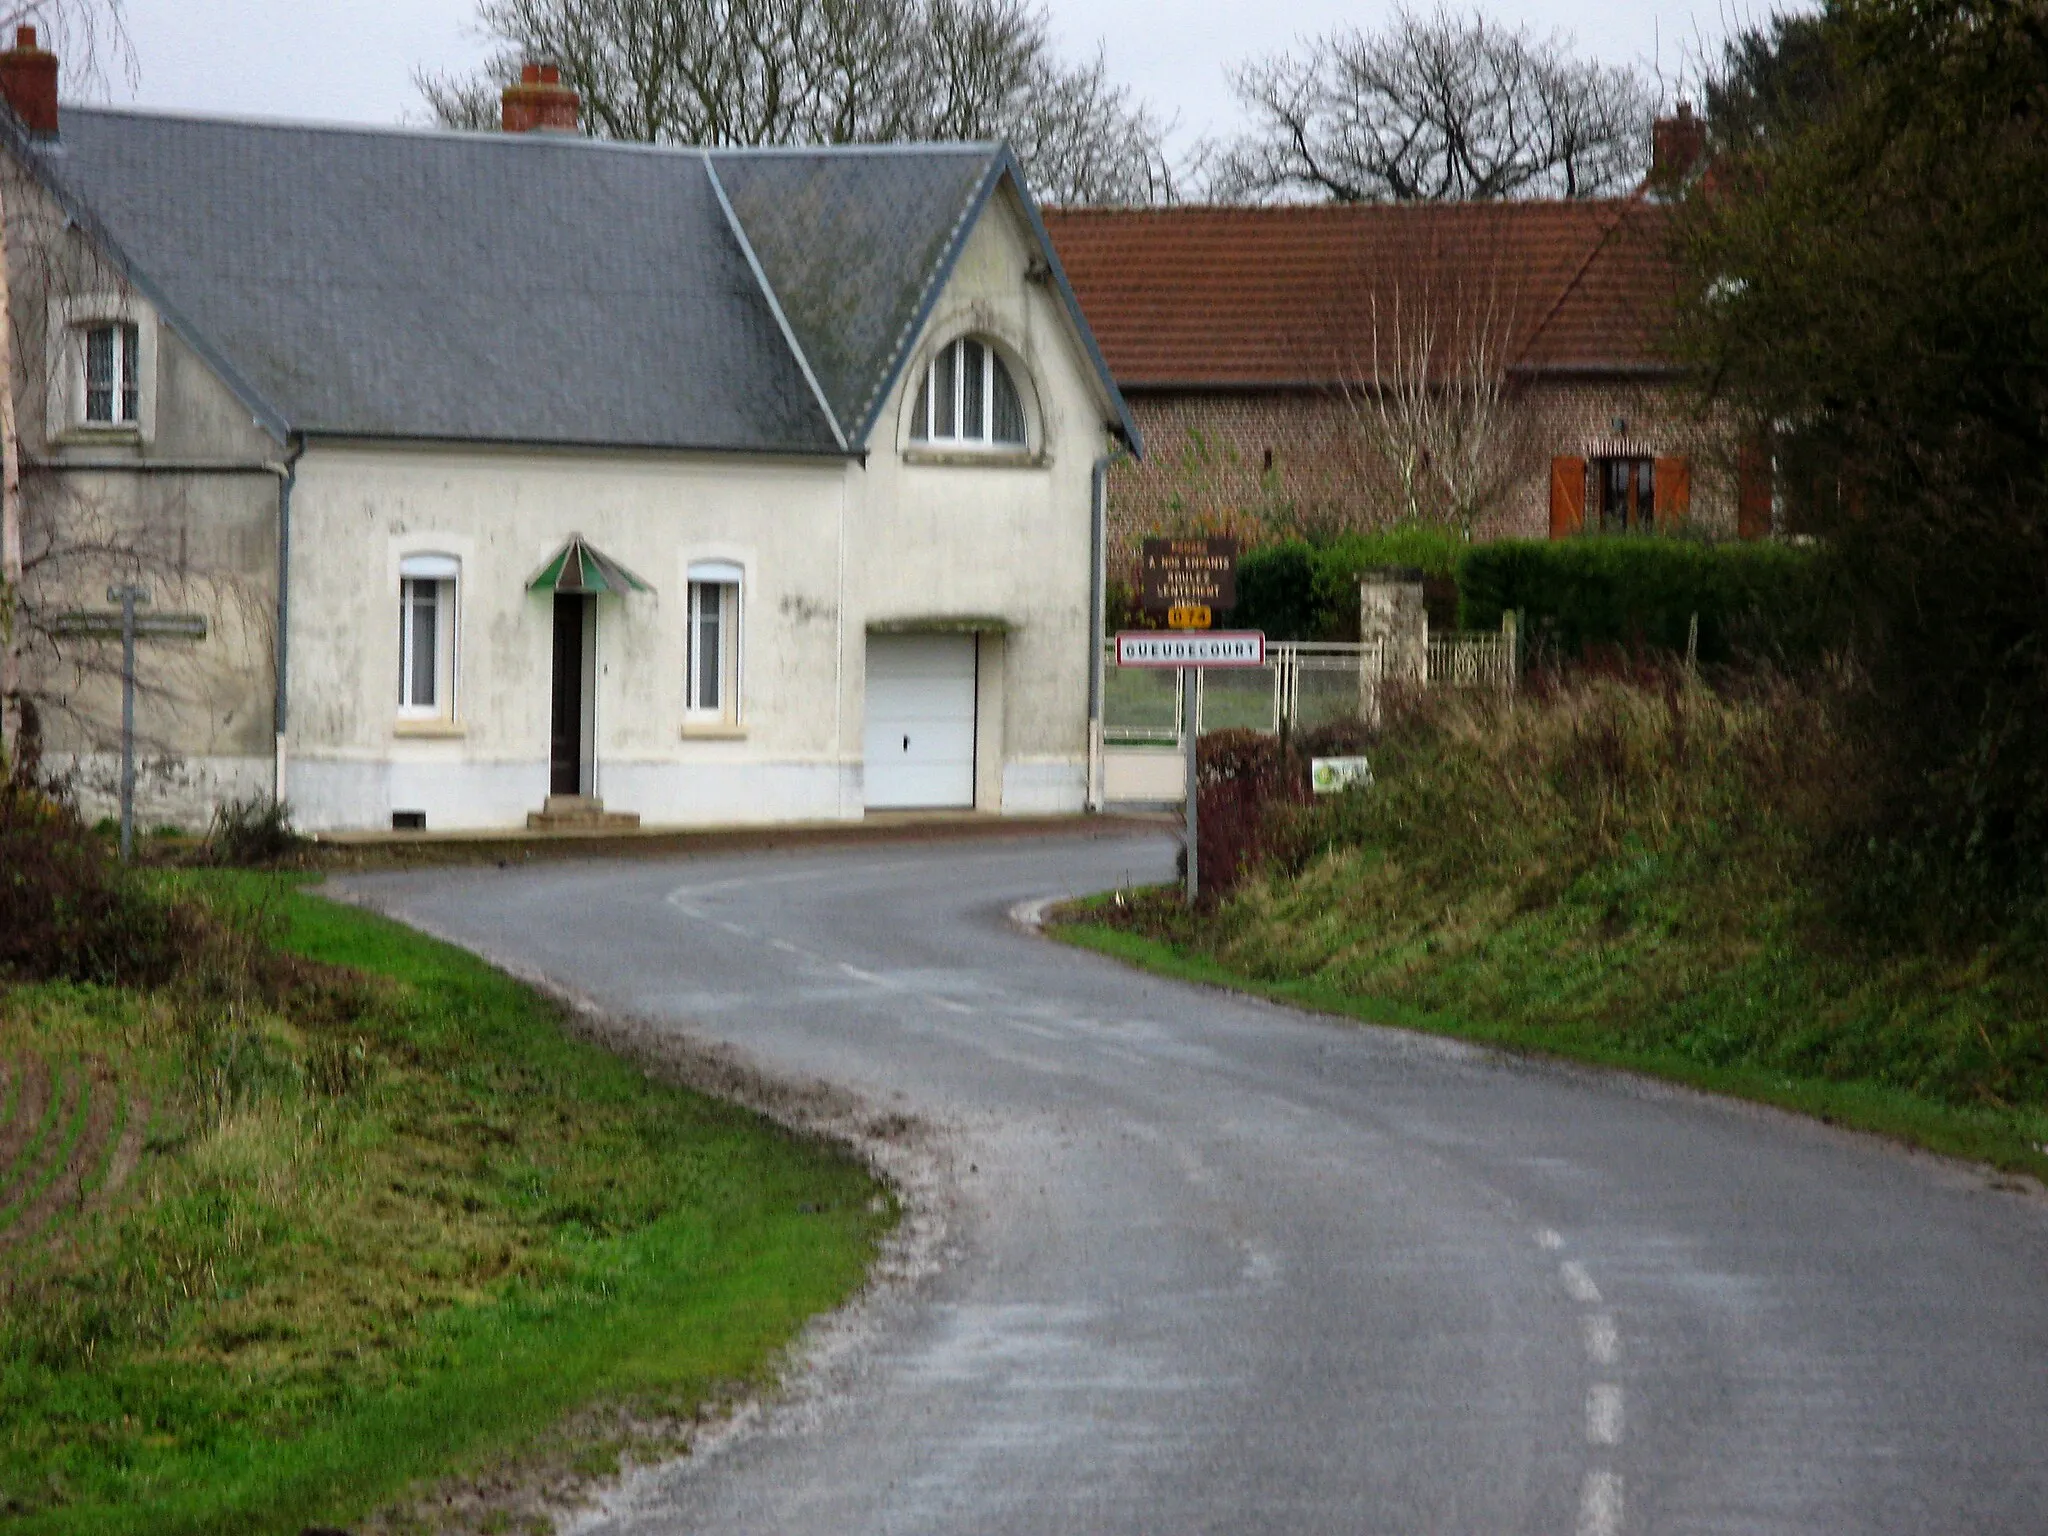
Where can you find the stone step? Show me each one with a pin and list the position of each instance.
(578, 813)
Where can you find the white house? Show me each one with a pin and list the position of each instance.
(711, 486)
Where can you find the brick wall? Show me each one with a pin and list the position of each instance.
(1264, 464)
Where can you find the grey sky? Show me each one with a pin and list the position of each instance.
(353, 61)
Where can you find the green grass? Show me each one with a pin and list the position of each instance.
(2003, 1140)
(385, 1231)
(1630, 874)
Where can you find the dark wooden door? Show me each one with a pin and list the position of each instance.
(565, 730)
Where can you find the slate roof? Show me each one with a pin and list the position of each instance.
(530, 288)
(1276, 296)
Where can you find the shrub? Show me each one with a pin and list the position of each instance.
(257, 830)
(1578, 595)
(1305, 591)
(1241, 777)
(68, 911)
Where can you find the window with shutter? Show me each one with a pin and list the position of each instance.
(1754, 491)
(1673, 491)
(1567, 497)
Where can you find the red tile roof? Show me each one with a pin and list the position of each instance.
(1219, 297)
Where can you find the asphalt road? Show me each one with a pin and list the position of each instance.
(1218, 1266)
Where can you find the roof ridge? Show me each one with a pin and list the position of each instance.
(1334, 210)
(523, 141)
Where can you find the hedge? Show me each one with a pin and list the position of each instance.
(1641, 593)
(1302, 591)
(1635, 592)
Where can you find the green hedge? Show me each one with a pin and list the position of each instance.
(1303, 591)
(1768, 599)
(1637, 592)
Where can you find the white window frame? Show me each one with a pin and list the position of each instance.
(721, 582)
(924, 422)
(443, 573)
(71, 322)
(124, 407)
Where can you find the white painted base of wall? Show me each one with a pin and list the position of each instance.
(342, 796)
(169, 791)
(329, 796)
(723, 794)
(1045, 786)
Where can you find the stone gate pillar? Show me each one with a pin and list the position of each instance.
(1393, 624)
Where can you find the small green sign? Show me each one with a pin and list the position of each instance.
(1332, 775)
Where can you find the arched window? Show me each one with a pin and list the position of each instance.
(969, 399)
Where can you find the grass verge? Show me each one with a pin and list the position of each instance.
(1987, 1136)
(389, 1222)
(1637, 871)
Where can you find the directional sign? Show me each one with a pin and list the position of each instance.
(148, 626)
(1175, 573)
(1211, 648)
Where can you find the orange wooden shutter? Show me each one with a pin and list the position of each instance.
(1753, 491)
(1673, 490)
(1567, 497)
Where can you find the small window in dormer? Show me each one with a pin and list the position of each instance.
(969, 399)
(113, 375)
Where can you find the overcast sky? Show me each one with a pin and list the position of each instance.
(352, 60)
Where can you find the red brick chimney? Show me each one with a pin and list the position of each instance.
(28, 79)
(1678, 148)
(540, 103)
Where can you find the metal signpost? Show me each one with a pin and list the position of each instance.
(1187, 580)
(169, 626)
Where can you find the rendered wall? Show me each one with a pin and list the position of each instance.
(200, 542)
(938, 538)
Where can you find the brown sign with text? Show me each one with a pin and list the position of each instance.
(1188, 573)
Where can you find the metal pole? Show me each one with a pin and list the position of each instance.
(1189, 731)
(127, 597)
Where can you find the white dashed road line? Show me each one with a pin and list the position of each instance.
(1603, 1339)
(1600, 1505)
(1578, 1283)
(1603, 1415)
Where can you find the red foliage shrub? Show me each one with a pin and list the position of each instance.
(68, 911)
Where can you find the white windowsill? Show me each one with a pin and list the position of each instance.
(977, 458)
(100, 434)
(713, 730)
(442, 729)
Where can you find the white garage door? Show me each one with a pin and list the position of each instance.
(920, 727)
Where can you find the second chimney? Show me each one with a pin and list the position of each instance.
(540, 103)
(1678, 147)
(28, 81)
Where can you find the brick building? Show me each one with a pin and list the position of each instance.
(1252, 345)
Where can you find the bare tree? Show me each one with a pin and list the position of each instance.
(742, 72)
(1432, 399)
(1436, 108)
(92, 34)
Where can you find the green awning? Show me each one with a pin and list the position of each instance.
(578, 568)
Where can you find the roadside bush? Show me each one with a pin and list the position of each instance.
(1578, 595)
(1242, 778)
(68, 911)
(255, 831)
